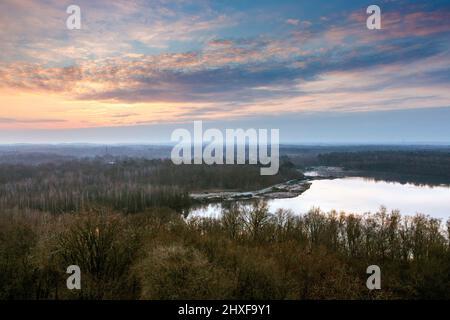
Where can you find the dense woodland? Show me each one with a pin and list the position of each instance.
(413, 166)
(129, 185)
(247, 254)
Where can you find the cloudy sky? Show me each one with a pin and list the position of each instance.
(137, 69)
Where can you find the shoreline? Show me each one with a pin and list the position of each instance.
(284, 190)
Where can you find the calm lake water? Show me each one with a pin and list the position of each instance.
(360, 195)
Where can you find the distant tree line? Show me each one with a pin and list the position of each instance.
(420, 166)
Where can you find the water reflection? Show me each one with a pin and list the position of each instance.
(360, 195)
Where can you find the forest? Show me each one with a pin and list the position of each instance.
(431, 166)
(246, 254)
(123, 221)
(130, 185)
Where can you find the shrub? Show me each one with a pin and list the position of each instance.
(177, 272)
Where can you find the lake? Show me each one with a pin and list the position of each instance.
(360, 195)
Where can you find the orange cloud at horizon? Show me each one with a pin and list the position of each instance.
(44, 110)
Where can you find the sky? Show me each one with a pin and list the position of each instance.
(138, 69)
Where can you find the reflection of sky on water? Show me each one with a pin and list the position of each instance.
(359, 195)
(212, 211)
